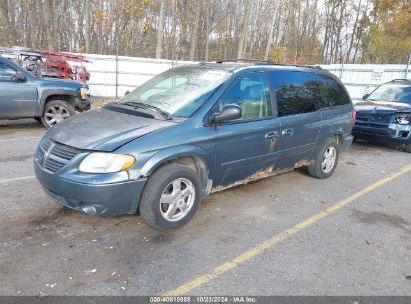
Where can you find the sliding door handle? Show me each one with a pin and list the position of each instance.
(287, 132)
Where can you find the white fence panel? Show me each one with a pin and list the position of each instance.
(359, 79)
(131, 72)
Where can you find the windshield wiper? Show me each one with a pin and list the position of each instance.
(165, 114)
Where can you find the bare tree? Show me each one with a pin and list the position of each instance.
(309, 31)
(159, 47)
(196, 22)
(241, 44)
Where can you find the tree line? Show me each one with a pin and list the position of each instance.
(284, 31)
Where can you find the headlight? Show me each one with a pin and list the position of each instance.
(403, 119)
(84, 93)
(98, 162)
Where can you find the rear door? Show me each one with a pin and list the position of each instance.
(17, 98)
(299, 114)
(247, 145)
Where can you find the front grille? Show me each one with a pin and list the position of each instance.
(362, 124)
(64, 151)
(373, 117)
(53, 165)
(41, 150)
(53, 156)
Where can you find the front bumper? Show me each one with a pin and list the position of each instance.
(100, 199)
(390, 133)
(82, 104)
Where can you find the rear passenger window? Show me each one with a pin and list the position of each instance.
(293, 93)
(303, 92)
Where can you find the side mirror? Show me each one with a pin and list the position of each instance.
(20, 76)
(229, 112)
(126, 93)
(365, 96)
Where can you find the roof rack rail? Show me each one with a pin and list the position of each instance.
(312, 66)
(269, 62)
(399, 79)
(236, 60)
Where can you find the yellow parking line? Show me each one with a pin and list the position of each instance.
(241, 259)
(16, 179)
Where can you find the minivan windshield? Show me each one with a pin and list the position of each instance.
(392, 92)
(179, 91)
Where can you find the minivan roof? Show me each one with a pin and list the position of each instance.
(234, 66)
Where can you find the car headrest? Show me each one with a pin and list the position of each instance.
(253, 92)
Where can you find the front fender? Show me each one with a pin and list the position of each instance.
(169, 154)
(45, 93)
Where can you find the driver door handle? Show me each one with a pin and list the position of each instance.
(287, 132)
(271, 135)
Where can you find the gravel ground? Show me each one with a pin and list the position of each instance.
(363, 248)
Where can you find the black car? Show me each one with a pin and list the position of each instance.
(385, 114)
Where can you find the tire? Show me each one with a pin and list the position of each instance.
(408, 148)
(317, 168)
(62, 110)
(172, 185)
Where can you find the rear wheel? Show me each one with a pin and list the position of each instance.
(171, 197)
(326, 161)
(56, 111)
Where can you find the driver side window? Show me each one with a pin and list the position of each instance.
(252, 94)
(7, 73)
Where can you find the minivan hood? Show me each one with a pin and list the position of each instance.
(103, 130)
(381, 106)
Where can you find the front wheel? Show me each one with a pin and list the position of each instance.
(171, 197)
(56, 111)
(326, 161)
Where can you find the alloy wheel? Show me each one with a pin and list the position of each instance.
(329, 158)
(177, 199)
(55, 114)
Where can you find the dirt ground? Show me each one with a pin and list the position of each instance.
(363, 248)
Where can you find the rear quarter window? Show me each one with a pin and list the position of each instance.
(328, 89)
